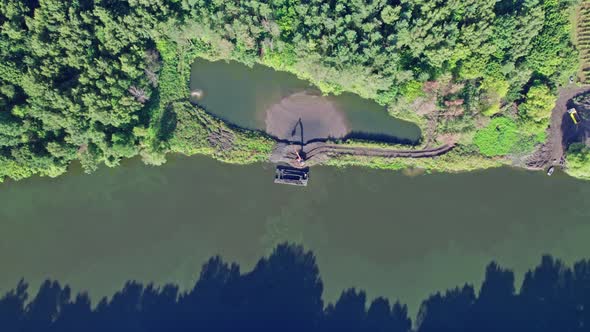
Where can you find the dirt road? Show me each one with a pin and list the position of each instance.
(555, 142)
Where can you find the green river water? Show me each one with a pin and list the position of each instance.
(393, 235)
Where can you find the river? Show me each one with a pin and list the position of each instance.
(390, 234)
(393, 235)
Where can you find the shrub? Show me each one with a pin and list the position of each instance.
(539, 103)
(498, 138)
(495, 90)
(578, 161)
(412, 90)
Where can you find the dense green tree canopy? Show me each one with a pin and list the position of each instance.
(578, 160)
(80, 79)
(539, 102)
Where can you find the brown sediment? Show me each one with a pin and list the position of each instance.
(303, 117)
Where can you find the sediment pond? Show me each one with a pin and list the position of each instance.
(244, 96)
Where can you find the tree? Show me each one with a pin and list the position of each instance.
(390, 15)
(578, 160)
(539, 102)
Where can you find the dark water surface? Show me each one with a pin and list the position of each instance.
(241, 95)
(393, 235)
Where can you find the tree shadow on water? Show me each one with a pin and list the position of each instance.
(284, 293)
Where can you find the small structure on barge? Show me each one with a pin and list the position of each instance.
(292, 176)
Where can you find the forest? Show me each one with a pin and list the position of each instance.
(284, 293)
(97, 81)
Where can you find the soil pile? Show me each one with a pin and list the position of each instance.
(305, 117)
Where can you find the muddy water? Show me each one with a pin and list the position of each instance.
(242, 95)
(390, 234)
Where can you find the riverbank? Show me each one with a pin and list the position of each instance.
(234, 145)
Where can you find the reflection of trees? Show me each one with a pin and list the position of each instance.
(553, 297)
(283, 293)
